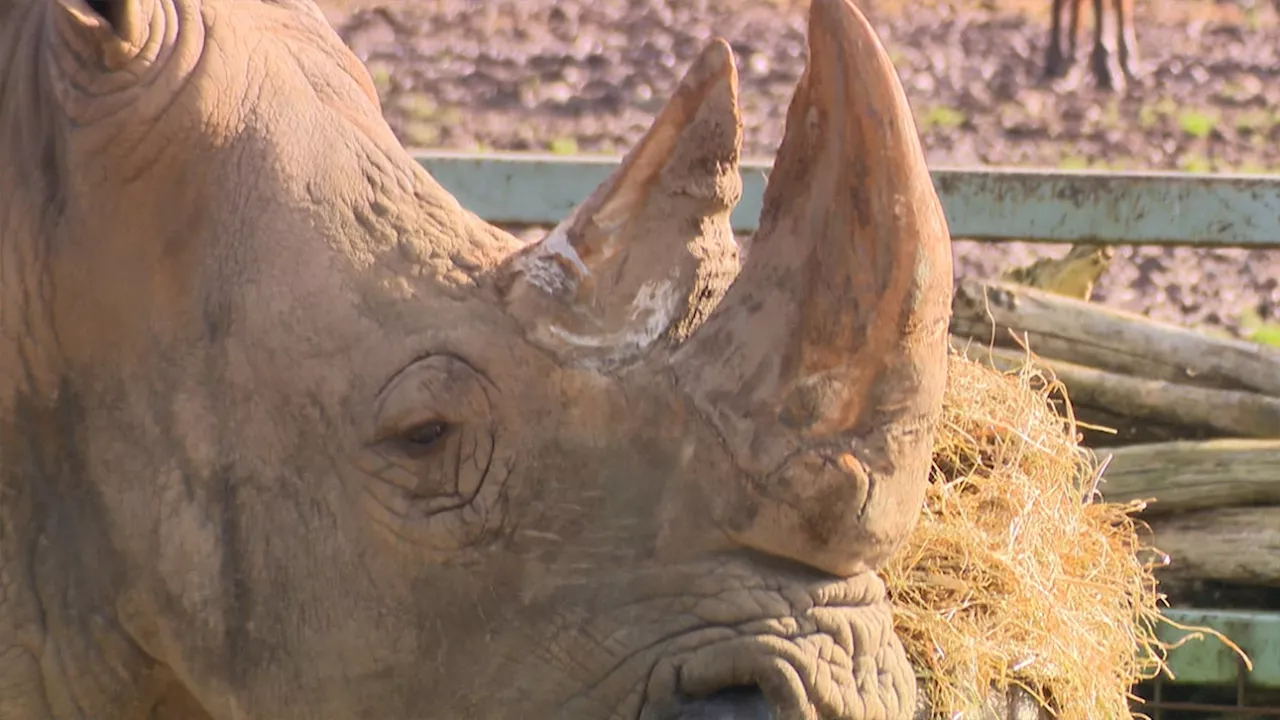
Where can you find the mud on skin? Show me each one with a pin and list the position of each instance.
(287, 433)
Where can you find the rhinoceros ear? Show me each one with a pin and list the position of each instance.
(648, 255)
(110, 32)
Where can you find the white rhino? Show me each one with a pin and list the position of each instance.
(285, 432)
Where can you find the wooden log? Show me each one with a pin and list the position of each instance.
(1121, 342)
(1189, 476)
(1101, 428)
(1228, 412)
(1234, 545)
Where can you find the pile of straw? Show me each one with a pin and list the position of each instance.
(1017, 573)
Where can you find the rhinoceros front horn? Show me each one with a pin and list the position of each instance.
(647, 256)
(824, 365)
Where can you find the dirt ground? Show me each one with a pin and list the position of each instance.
(587, 76)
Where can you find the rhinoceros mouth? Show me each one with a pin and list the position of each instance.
(828, 661)
(732, 703)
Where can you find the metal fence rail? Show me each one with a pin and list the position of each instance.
(1213, 663)
(1036, 206)
(986, 204)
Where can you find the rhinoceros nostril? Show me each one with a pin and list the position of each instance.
(743, 702)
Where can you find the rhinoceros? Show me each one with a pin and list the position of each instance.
(287, 432)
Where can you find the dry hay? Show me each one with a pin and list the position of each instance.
(1017, 573)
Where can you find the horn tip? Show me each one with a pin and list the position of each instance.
(842, 21)
(828, 10)
(715, 62)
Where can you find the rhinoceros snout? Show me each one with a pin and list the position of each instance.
(822, 650)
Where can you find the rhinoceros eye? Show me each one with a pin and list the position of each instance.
(422, 437)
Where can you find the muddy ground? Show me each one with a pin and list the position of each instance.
(588, 75)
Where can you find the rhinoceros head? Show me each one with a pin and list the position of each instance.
(285, 432)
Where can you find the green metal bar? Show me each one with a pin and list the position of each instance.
(988, 204)
(1209, 662)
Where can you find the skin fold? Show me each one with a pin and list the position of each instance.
(285, 432)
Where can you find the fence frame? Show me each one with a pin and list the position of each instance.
(1133, 208)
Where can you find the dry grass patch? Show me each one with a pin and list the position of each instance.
(1018, 574)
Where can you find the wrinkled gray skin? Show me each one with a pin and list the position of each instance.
(287, 433)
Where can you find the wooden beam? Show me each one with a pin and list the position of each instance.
(1226, 412)
(1096, 336)
(1233, 545)
(1193, 475)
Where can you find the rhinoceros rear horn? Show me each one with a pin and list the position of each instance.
(646, 257)
(831, 344)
